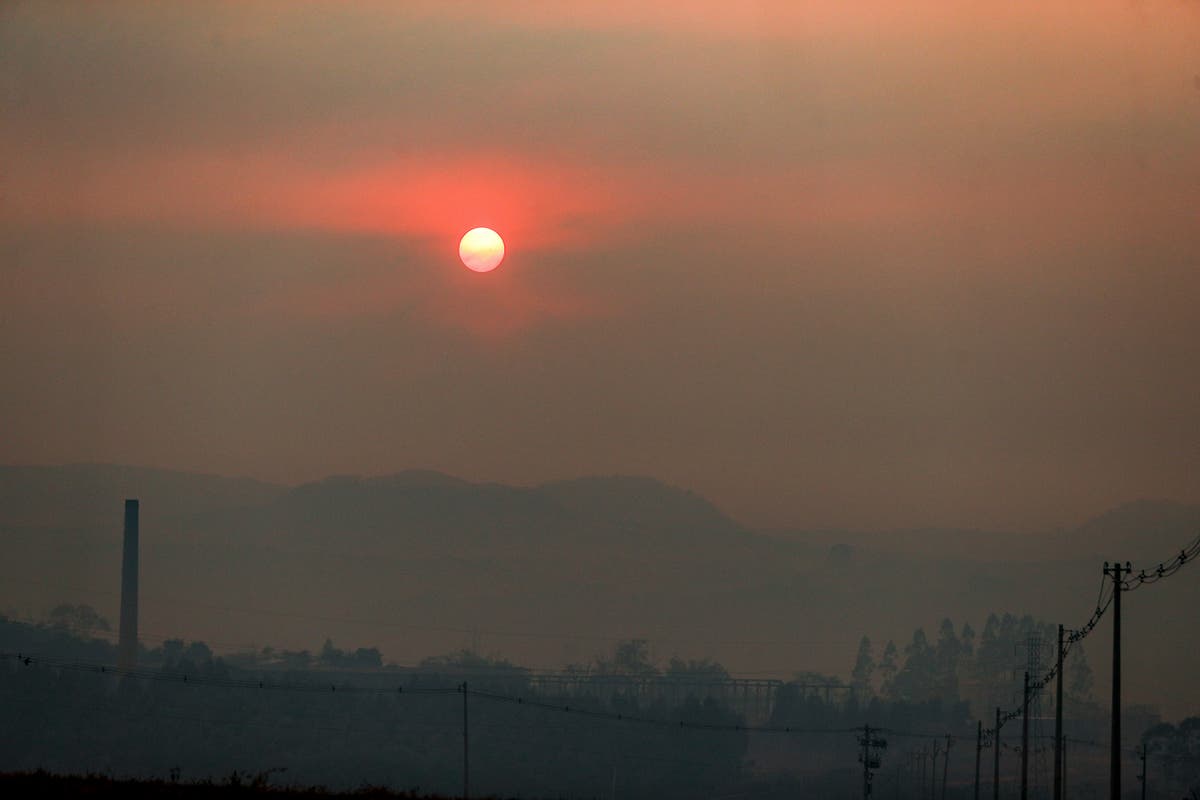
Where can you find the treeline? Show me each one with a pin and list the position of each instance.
(1174, 752)
(71, 721)
(945, 683)
(985, 670)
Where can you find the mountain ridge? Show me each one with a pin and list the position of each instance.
(597, 557)
(90, 493)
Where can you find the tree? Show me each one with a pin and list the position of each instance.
(295, 659)
(864, 668)
(468, 661)
(949, 651)
(704, 669)
(331, 656)
(630, 657)
(78, 619)
(195, 658)
(888, 667)
(916, 681)
(1079, 674)
(701, 681)
(967, 637)
(362, 658)
(1178, 751)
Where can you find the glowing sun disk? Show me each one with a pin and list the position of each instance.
(481, 249)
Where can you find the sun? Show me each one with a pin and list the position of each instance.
(481, 249)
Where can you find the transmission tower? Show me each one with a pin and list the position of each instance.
(1033, 665)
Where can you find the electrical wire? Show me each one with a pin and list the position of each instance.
(1166, 569)
(315, 688)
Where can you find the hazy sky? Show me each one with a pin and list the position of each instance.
(839, 264)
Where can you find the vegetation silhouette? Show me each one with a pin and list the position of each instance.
(577, 742)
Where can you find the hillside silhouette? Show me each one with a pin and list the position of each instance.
(420, 562)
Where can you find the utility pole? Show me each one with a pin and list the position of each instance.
(865, 758)
(466, 751)
(934, 750)
(1025, 743)
(1142, 777)
(1058, 719)
(946, 764)
(924, 762)
(1114, 776)
(978, 753)
(996, 755)
(871, 745)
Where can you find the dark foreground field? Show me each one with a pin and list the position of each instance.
(44, 784)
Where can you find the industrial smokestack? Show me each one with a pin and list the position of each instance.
(128, 644)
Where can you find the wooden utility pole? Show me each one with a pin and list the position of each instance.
(946, 764)
(871, 745)
(934, 750)
(866, 760)
(1058, 719)
(466, 748)
(1142, 777)
(996, 756)
(978, 753)
(1025, 742)
(924, 759)
(1114, 774)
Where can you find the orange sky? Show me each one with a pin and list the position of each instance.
(857, 266)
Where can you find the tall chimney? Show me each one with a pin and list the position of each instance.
(128, 644)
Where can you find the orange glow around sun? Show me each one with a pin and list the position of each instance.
(481, 249)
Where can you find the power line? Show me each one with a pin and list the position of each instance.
(567, 708)
(1104, 601)
(188, 679)
(1165, 569)
(1108, 596)
(173, 714)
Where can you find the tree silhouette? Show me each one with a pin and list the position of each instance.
(889, 666)
(81, 619)
(864, 669)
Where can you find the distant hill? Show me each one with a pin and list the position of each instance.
(940, 543)
(426, 511)
(1147, 530)
(642, 504)
(1140, 530)
(420, 563)
(94, 494)
(417, 507)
